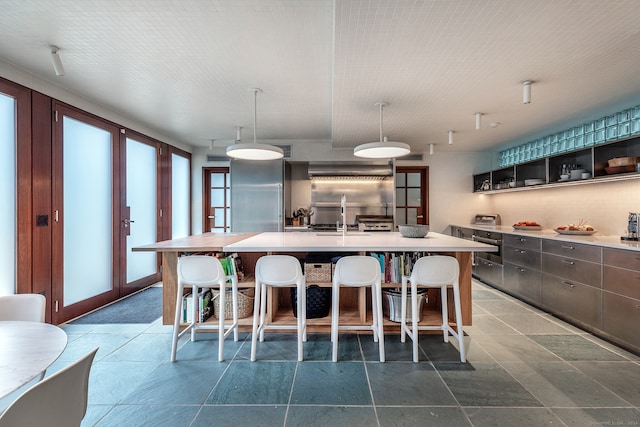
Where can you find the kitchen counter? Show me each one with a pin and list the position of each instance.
(596, 239)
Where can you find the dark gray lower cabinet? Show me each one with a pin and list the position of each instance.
(522, 282)
(621, 319)
(573, 301)
(489, 272)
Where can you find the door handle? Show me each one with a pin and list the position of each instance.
(126, 222)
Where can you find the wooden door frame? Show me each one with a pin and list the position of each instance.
(206, 190)
(424, 187)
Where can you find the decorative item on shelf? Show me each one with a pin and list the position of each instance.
(245, 303)
(413, 230)
(621, 165)
(318, 301)
(392, 304)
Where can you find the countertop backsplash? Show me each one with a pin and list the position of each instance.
(605, 206)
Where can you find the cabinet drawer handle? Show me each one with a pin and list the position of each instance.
(568, 247)
(520, 251)
(568, 262)
(571, 285)
(520, 269)
(522, 240)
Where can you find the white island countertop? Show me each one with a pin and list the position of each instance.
(354, 241)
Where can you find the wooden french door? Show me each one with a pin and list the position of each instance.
(106, 198)
(216, 205)
(412, 195)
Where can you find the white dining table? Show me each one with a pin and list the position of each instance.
(27, 349)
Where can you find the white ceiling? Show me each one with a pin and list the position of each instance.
(183, 68)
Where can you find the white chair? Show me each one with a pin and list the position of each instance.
(436, 271)
(358, 271)
(200, 272)
(57, 401)
(23, 307)
(278, 270)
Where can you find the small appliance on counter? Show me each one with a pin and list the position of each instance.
(632, 227)
(486, 219)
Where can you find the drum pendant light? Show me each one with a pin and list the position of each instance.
(254, 151)
(384, 148)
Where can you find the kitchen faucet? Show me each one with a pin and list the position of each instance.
(343, 213)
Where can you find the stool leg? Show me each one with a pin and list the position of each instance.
(378, 291)
(256, 317)
(263, 309)
(176, 323)
(300, 321)
(445, 314)
(403, 310)
(221, 324)
(234, 287)
(194, 307)
(335, 316)
(456, 295)
(304, 309)
(415, 331)
(374, 314)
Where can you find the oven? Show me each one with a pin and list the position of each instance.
(488, 265)
(374, 223)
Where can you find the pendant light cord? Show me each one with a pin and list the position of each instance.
(381, 107)
(255, 114)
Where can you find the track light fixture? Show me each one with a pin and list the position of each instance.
(450, 137)
(526, 92)
(56, 61)
(478, 120)
(431, 149)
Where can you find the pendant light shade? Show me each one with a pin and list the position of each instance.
(384, 148)
(254, 151)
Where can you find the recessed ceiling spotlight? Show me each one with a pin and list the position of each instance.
(494, 124)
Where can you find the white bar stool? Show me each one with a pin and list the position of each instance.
(436, 271)
(358, 271)
(278, 271)
(202, 271)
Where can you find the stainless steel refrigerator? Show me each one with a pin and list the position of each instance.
(260, 191)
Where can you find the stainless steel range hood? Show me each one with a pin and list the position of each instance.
(350, 169)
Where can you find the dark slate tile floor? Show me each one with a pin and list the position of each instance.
(525, 368)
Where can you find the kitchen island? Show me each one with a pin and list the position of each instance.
(253, 245)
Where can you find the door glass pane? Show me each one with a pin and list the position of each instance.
(413, 180)
(217, 180)
(401, 179)
(141, 199)
(87, 212)
(412, 216)
(217, 197)
(219, 220)
(7, 195)
(401, 199)
(413, 196)
(400, 216)
(179, 196)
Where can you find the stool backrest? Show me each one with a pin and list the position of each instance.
(200, 270)
(23, 307)
(435, 270)
(58, 400)
(278, 270)
(357, 270)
